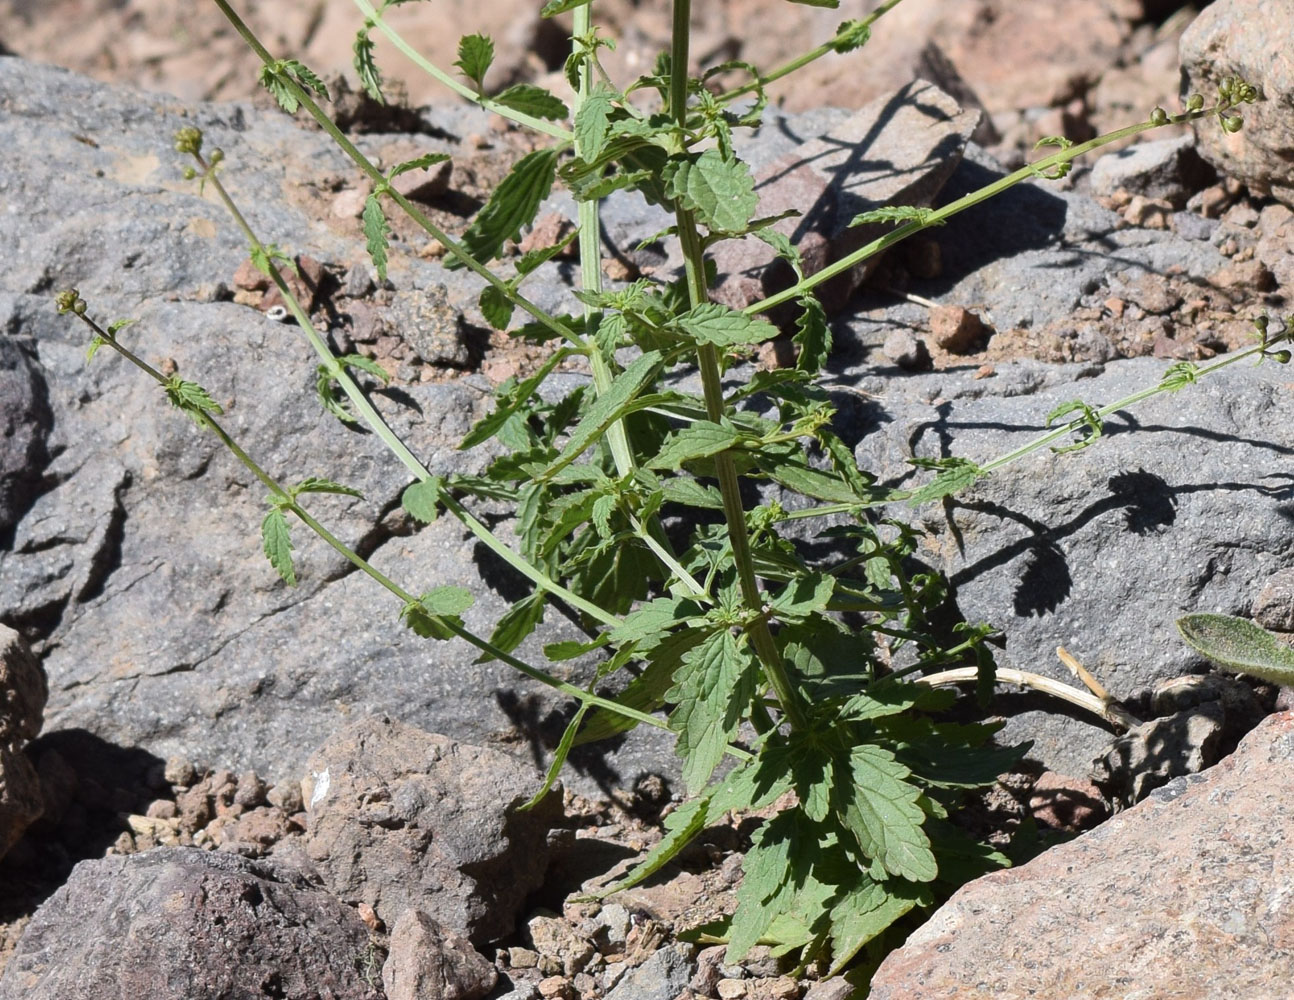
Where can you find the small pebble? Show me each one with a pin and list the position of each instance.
(180, 773)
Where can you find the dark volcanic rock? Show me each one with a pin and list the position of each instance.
(22, 704)
(186, 924)
(401, 818)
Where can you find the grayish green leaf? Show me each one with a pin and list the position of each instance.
(375, 233)
(721, 192)
(712, 323)
(277, 545)
(702, 439)
(420, 499)
(513, 205)
(1240, 645)
(534, 101)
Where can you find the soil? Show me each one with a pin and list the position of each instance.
(190, 51)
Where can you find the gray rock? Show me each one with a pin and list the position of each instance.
(23, 692)
(427, 961)
(1255, 40)
(906, 350)
(662, 977)
(430, 325)
(1170, 169)
(1179, 507)
(403, 819)
(1274, 606)
(899, 149)
(1150, 755)
(24, 427)
(1176, 896)
(180, 923)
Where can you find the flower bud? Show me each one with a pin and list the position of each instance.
(1195, 102)
(1159, 117)
(188, 140)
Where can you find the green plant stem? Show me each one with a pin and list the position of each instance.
(711, 380)
(378, 425)
(457, 86)
(1035, 169)
(456, 249)
(292, 504)
(590, 240)
(803, 60)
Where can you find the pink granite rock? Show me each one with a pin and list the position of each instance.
(1185, 895)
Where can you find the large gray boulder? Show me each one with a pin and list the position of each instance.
(1255, 40)
(1179, 896)
(186, 924)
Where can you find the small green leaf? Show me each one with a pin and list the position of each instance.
(512, 205)
(559, 757)
(365, 365)
(532, 100)
(555, 7)
(712, 690)
(1088, 419)
(532, 259)
(721, 192)
(375, 234)
(191, 398)
(421, 163)
(366, 65)
(957, 474)
(879, 807)
(278, 77)
(692, 494)
(897, 214)
(475, 53)
(851, 35)
(313, 484)
(702, 439)
(655, 616)
(117, 325)
(1180, 375)
(867, 909)
(812, 335)
(430, 615)
(712, 323)
(420, 500)
(681, 827)
(1239, 645)
(804, 595)
(278, 545)
(95, 343)
(591, 123)
(496, 307)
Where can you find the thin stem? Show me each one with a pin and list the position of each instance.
(711, 380)
(455, 249)
(1109, 711)
(538, 124)
(787, 68)
(938, 216)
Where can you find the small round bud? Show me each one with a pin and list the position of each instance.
(188, 140)
(1232, 123)
(79, 306)
(66, 301)
(1280, 357)
(189, 173)
(1159, 117)
(1195, 102)
(217, 155)
(1260, 323)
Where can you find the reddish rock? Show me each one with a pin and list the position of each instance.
(1184, 895)
(427, 961)
(957, 330)
(1065, 803)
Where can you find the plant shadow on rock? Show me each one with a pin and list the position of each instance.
(88, 784)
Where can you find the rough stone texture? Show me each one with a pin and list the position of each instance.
(180, 923)
(1185, 895)
(899, 150)
(430, 325)
(23, 692)
(1168, 169)
(1180, 507)
(24, 426)
(1148, 756)
(137, 572)
(427, 961)
(662, 977)
(400, 818)
(1274, 606)
(1255, 40)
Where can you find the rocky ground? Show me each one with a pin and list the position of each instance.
(195, 769)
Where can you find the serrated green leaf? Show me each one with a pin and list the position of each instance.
(1089, 417)
(1239, 645)
(721, 192)
(555, 7)
(421, 499)
(851, 35)
(681, 826)
(95, 343)
(812, 335)
(370, 77)
(117, 325)
(496, 307)
(559, 757)
(532, 100)
(314, 484)
(879, 808)
(475, 53)
(653, 617)
(957, 475)
(516, 623)
(691, 493)
(365, 365)
(375, 234)
(431, 614)
(712, 323)
(421, 163)
(702, 439)
(712, 690)
(899, 215)
(1180, 375)
(512, 205)
(447, 600)
(778, 858)
(191, 398)
(326, 390)
(804, 595)
(277, 545)
(488, 426)
(607, 409)
(865, 911)
(591, 122)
